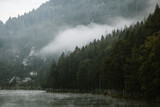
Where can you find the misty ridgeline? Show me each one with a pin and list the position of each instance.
(84, 45)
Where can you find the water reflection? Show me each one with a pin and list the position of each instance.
(21, 98)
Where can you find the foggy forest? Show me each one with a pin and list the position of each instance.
(108, 47)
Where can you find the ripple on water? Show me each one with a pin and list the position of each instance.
(22, 98)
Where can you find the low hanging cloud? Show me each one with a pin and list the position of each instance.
(81, 35)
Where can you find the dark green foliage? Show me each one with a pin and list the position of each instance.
(127, 60)
(149, 70)
(152, 24)
(39, 27)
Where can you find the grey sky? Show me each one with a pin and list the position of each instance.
(14, 7)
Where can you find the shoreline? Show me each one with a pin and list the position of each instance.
(105, 93)
(95, 92)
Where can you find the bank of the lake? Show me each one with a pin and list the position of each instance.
(110, 93)
(36, 98)
(106, 93)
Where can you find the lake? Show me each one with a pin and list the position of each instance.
(23, 98)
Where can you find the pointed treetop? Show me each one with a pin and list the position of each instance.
(157, 9)
(77, 48)
(157, 6)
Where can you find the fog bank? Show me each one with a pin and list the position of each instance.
(81, 35)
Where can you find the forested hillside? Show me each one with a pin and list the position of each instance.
(22, 38)
(127, 60)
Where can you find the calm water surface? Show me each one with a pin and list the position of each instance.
(21, 98)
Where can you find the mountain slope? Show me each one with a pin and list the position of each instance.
(126, 61)
(21, 38)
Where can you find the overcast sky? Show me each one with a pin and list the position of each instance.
(14, 7)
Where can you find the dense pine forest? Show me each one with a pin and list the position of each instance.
(126, 60)
(23, 38)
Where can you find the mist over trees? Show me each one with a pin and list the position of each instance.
(23, 37)
(127, 60)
